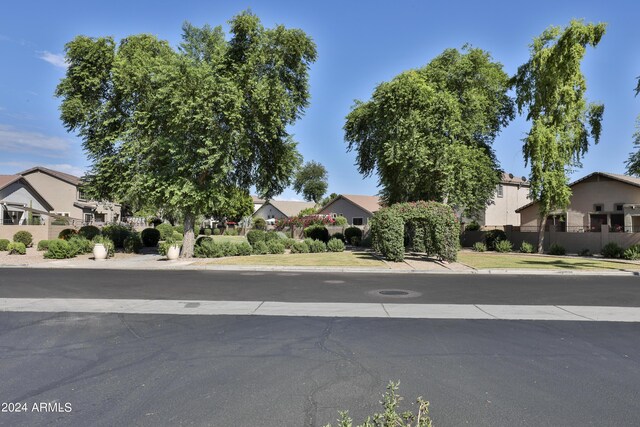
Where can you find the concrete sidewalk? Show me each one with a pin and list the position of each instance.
(324, 309)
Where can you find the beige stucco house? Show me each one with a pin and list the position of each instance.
(597, 199)
(511, 193)
(277, 209)
(20, 203)
(62, 191)
(357, 209)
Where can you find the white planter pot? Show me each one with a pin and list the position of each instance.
(99, 252)
(173, 252)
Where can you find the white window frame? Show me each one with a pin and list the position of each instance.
(500, 191)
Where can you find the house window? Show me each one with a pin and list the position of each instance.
(357, 221)
(500, 191)
(334, 215)
(619, 207)
(597, 208)
(88, 218)
(81, 195)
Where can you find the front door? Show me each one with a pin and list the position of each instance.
(596, 221)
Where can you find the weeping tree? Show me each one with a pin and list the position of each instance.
(428, 133)
(188, 128)
(633, 163)
(551, 87)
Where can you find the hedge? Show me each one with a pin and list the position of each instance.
(151, 236)
(4, 244)
(23, 237)
(255, 236)
(59, 249)
(17, 248)
(317, 232)
(351, 232)
(89, 231)
(428, 227)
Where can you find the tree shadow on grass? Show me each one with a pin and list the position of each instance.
(583, 265)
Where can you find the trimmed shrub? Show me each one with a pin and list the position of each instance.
(275, 247)
(472, 226)
(67, 233)
(612, 250)
(17, 248)
(632, 253)
(288, 242)
(350, 232)
(340, 221)
(43, 245)
(217, 232)
(526, 248)
(116, 233)
(503, 246)
(260, 248)
(59, 249)
(335, 245)
(556, 249)
(299, 248)
(133, 244)
(428, 227)
(107, 242)
(201, 240)
(229, 248)
(4, 244)
(80, 245)
(585, 252)
(387, 230)
(209, 249)
(317, 246)
(492, 237)
(317, 232)
(479, 247)
(259, 224)
(165, 230)
(244, 248)
(176, 236)
(89, 231)
(255, 236)
(270, 235)
(150, 237)
(207, 232)
(338, 236)
(23, 237)
(231, 232)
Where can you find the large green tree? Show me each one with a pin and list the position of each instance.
(551, 87)
(633, 163)
(428, 133)
(188, 128)
(311, 181)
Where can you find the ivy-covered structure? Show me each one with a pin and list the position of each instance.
(427, 227)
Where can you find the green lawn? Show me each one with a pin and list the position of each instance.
(327, 259)
(493, 260)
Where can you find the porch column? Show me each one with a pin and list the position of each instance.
(2, 207)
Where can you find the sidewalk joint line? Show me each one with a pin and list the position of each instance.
(385, 310)
(575, 314)
(256, 309)
(485, 312)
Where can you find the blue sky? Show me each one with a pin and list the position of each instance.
(360, 44)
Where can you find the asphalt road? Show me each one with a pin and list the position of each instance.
(619, 291)
(153, 370)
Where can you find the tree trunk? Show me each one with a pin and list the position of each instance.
(543, 224)
(189, 241)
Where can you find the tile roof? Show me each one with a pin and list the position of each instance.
(368, 203)
(509, 178)
(71, 179)
(618, 177)
(290, 208)
(6, 180)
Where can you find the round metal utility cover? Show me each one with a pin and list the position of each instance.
(394, 293)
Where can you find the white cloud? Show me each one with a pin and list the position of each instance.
(16, 140)
(57, 60)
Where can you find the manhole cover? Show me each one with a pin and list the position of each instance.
(393, 293)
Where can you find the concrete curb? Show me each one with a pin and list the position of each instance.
(177, 267)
